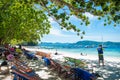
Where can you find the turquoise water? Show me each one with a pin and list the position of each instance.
(110, 52)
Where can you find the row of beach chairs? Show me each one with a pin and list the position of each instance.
(21, 71)
(19, 68)
(66, 71)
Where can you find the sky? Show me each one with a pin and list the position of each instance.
(95, 31)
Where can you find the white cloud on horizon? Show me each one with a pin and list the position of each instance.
(59, 32)
(56, 32)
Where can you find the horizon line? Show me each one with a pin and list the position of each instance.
(77, 41)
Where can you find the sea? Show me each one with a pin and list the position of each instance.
(110, 52)
(113, 53)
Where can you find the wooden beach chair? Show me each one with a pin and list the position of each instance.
(43, 54)
(80, 64)
(53, 64)
(59, 67)
(19, 75)
(30, 55)
(23, 71)
(21, 65)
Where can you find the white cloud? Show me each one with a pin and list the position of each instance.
(51, 20)
(73, 18)
(61, 33)
(90, 16)
(57, 32)
(72, 31)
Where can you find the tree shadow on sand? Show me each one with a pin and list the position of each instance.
(111, 71)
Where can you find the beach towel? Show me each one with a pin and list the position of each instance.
(47, 61)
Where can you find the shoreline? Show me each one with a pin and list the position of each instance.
(108, 72)
(77, 56)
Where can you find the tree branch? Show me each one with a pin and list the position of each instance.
(61, 2)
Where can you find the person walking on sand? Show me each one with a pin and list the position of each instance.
(100, 54)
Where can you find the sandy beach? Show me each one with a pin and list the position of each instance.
(111, 70)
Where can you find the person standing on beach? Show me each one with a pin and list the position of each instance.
(100, 54)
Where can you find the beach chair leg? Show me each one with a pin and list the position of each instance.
(0, 68)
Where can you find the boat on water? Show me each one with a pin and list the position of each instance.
(89, 46)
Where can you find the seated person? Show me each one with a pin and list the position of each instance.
(46, 61)
(80, 74)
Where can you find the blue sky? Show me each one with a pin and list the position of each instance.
(96, 31)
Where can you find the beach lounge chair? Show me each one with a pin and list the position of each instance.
(53, 64)
(30, 55)
(77, 62)
(43, 54)
(60, 68)
(80, 74)
(21, 65)
(46, 61)
(19, 75)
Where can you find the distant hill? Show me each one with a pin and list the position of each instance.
(80, 44)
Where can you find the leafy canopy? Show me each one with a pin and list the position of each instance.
(22, 20)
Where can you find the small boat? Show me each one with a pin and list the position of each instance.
(87, 46)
